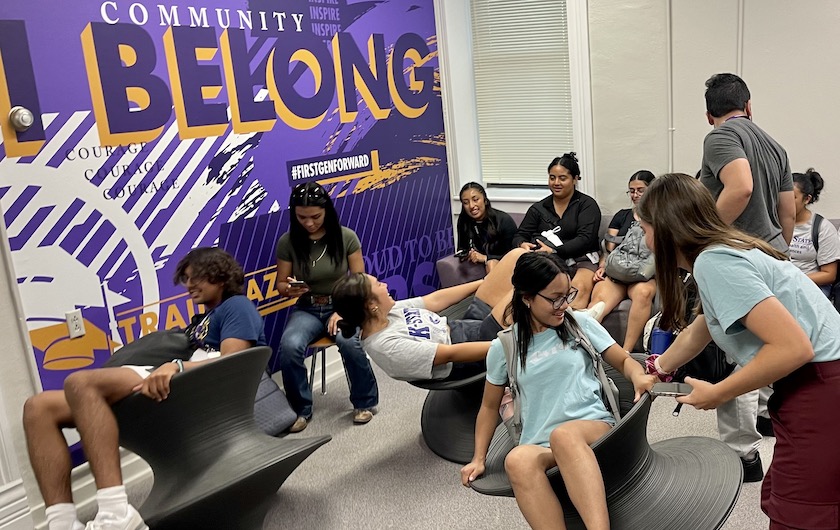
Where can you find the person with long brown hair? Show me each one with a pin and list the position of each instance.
(769, 318)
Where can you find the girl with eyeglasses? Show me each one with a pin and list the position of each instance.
(562, 411)
(607, 292)
(485, 234)
(409, 340)
(565, 223)
(319, 251)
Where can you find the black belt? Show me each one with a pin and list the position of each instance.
(315, 299)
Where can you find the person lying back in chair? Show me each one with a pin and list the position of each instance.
(409, 340)
(231, 324)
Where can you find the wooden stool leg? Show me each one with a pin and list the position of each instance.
(314, 362)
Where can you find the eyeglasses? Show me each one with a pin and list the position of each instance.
(558, 302)
(635, 191)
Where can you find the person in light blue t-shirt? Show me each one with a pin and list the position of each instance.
(768, 317)
(560, 397)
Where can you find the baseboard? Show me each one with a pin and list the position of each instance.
(14, 507)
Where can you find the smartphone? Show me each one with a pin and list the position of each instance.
(462, 255)
(297, 283)
(671, 389)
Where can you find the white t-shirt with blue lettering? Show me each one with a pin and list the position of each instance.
(406, 348)
(731, 282)
(558, 383)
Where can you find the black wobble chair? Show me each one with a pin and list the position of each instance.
(213, 467)
(450, 409)
(680, 483)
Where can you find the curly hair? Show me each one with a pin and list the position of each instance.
(213, 265)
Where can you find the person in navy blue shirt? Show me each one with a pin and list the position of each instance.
(231, 324)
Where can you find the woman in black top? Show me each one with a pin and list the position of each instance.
(567, 217)
(485, 234)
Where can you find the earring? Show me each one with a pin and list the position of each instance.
(375, 309)
(528, 306)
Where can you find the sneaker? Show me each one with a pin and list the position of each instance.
(299, 424)
(765, 426)
(596, 310)
(753, 472)
(108, 521)
(362, 415)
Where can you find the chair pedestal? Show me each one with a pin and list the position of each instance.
(448, 418)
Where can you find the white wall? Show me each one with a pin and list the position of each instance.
(645, 50)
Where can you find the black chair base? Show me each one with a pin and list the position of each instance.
(213, 467)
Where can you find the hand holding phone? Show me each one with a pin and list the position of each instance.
(299, 284)
(462, 255)
(671, 389)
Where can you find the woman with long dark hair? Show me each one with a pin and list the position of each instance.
(485, 234)
(562, 411)
(769, 318)
(311, 257)
(409, 340)
(565, 223)
(817, 259)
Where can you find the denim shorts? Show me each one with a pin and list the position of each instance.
(478, 324)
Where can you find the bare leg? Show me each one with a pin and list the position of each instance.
(641, 297)
(489, 264)
(609, 292)
(44, 415)
(579, 468)
(526, 466)
(90, 394)
(499, 309)
(497, 284)
(583, 282)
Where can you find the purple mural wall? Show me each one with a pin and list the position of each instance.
(165, 126)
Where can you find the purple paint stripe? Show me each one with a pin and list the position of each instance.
(17, 242)
(175, 174)
(114, 158)
(72, 141)
(4, 190)
(166, 214)
(233, 180)
(62, 223)
(49, 132)
(20, 203)
(112, 259)
(166, 155)
(2, 151)
(79, 232)
(94, 245)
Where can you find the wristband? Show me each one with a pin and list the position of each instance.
(652, 368)
(180, 364)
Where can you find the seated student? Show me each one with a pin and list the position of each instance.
(566, 223)
(562, 410)
(485, 234)
(409, 340)
(817, 259)
(607, 292)
(213, 278)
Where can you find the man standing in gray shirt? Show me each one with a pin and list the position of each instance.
(749, 175)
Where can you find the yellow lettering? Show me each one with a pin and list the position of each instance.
(148, 323)
(254, 293)
(271, 291)
(174, 319)
(126, 325)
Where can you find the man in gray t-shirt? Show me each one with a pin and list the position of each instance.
(749, 175)
(746, 170)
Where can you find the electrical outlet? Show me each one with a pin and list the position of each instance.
(75, 323)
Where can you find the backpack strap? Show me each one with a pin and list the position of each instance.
(606, 386)
(815, 231)
(509, 346)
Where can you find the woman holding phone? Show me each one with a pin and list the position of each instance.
(769, 318)
(318, 251)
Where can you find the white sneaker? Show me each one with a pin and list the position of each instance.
(108, 521)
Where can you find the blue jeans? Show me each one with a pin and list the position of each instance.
(307, 324)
